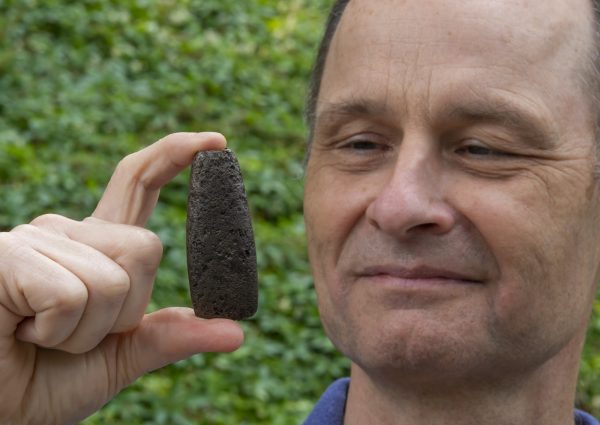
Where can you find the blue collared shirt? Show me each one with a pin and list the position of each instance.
(329, 410)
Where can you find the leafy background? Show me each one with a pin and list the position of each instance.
(84, 83)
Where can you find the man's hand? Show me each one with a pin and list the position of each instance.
(73, 295)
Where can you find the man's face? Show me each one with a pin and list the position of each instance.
(450, 203)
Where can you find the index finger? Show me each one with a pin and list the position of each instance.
(133, 190)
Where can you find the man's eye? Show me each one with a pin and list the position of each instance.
(364, 146)
(476, 150)
(480, 150)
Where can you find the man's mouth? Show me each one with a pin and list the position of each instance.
(417, 274)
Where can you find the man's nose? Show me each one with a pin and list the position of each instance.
(411, 201)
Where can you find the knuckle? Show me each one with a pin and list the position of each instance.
(132, 168)
(70, 349)
(127, 166)
(11, 249)
(76, 347)
(24, 229)
(49, 339)
(14, 253)
(128, 325)
(70, 298)
(148, 244)
(148, 238)
(116, 284)
(7, 241)
(48, 220)
(169, 138)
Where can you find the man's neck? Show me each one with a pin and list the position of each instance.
(544, 396)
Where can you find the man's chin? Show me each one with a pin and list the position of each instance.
(402, 344)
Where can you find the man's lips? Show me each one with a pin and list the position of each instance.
(421, 273)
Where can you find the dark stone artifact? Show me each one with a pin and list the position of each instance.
(221, 254)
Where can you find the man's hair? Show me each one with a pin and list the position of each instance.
(592, 77)
(319, 66)
(591, 74)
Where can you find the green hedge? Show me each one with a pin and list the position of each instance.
(84, 83)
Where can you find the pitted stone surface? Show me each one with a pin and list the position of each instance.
(221, 253)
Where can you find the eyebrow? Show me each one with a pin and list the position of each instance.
(527, 125)
(352, 108)
(334, 115)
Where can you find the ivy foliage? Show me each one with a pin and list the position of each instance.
(84, 83)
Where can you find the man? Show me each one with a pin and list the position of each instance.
(452, 214)
(452, 208)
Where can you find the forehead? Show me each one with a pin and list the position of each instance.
(397, 48)
(535, 29)
(500, 18)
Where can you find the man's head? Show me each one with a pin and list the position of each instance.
(451, 208)
(590, 75)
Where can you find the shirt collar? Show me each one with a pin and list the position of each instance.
(330, 408)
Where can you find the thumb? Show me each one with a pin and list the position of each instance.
(173, 334)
